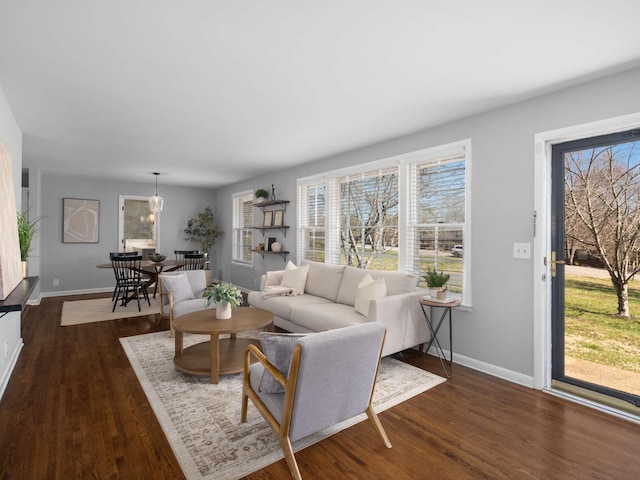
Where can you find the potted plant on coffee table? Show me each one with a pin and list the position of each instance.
(436, 282)
(226, 297)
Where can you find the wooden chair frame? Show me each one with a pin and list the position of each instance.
(289, 385)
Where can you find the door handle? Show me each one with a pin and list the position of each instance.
(555, 262)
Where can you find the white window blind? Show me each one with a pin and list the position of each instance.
(404, 213)
(367, 227)
(436, 219)
(242, 227)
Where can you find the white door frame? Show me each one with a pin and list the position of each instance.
(542, 240)
(156, 225)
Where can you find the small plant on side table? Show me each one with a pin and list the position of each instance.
(436, 282)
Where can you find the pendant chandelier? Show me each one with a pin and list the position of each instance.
(156, 202)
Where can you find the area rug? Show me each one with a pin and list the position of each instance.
(202, 421)
(76, 312)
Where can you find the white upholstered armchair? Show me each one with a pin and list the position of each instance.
(331, 378)
(181, 292)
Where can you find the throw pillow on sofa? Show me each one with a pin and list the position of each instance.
(278, 348)
(369, 289)
(295, 278)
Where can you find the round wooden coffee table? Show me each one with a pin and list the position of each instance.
(217, 356)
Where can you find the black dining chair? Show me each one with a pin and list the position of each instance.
(113, 255)
(180, 256)
(130, 281)
(193, 261)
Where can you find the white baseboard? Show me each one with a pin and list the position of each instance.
(494, 370)
(6, 375)
(74, 292)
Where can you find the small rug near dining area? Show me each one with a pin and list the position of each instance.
(202, 421)
(77, 312)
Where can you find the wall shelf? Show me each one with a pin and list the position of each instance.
(272, 203)
(282, 228)
(267, 208)
(282, 253)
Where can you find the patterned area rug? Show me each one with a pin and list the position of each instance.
(202, 421)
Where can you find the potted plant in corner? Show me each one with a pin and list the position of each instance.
(26, 231)
(226, 297)
(202, 230)
(436, 282)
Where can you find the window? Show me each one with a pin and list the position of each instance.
(243, 227)
(405, 213)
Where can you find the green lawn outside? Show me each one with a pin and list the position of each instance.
(593, 331)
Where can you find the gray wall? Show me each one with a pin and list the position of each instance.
(496, 334)
(75, 264)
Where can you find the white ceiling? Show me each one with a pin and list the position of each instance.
(210, 92)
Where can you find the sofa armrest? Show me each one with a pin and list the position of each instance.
(404, 319)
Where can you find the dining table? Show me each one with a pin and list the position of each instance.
(152, 270)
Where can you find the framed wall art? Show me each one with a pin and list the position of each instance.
(277, 218)
(80, 220)
(268, 218)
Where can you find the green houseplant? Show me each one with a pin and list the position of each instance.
(26, 231)
(436, 282)
(226, 296)
(202, 230)
(261, 194)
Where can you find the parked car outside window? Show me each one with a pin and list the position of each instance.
(456, 251)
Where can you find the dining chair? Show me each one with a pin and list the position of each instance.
(130, 281)
(181, 253)
(193, 261)
(329, 377)
(113, 255)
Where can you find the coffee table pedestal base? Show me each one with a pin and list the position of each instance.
(199, 358)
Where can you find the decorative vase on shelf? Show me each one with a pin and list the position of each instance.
(276, 246)
(223, 310)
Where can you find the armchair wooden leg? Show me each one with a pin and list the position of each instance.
(245, 406)
(285, 443)
(378, 426)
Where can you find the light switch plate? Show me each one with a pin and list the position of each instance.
(522, 250)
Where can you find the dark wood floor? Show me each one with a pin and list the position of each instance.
(74, 409)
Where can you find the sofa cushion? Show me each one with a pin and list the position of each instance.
(350, 280)
(273, 278)
(278, 348)
(281, 306)
(323, 280)
(397, 282)
(179, 287)
(368, 290)
(325, 317)
(295, 278)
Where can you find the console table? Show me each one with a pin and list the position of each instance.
(446, 306)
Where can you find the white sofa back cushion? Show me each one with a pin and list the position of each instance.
(369, 289)
(397, 282)
(295, 278)
(323, 280)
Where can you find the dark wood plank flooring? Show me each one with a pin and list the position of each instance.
(74, 409)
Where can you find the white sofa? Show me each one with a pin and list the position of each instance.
(331, 293)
